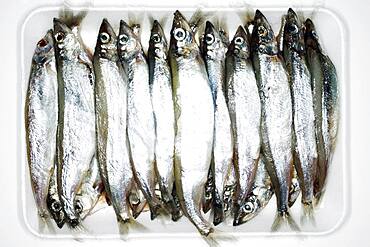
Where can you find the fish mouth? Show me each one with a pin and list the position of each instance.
(210, 28)
(105, 27)
(179, 21)
(60, 26)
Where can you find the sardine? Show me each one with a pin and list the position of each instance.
(164, 116)
(140, 117)
(76, 129)
(258, 198)
(214, 52)
(111, 115)
(194, 116)
(324, 83)
(245, 111)
(276, 124)
(41, 120)
(304, 140)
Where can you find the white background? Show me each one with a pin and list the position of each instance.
(355, 229)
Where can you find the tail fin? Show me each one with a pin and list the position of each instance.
(45, 224)
(124, 227)
(284, 218)
(197, 20)
(71, 19)
(308, 215)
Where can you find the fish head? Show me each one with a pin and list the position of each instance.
(182, 42)
(247, 210)
(263, 38)
(212, 44)
(44, 49)
(310, 36)
(106, 44)
(66, 41)
(157, 41)
(239, 45)
(293, 35)
(56, 210)
(128, 43)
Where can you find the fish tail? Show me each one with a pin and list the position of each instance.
(45, 224)
(283, 217)
(79, 230)
(308, 214)
(71, 18)
(197, 20)
(127, 225)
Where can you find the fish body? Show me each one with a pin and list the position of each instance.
(76, 141)
(304, 139)
(111, 115)
(164, 116)
(41, 120)
(214, 51)
(140, 117)
(194, 116)
(245, 111)
(324, 83)
(276, 122)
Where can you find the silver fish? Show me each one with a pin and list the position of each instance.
(41, 117)
(260, 195)
(304, 139)
(324, 82)
(90, 192)
(53, 200)
(194, 115)
(111, 115)
(161, 92)
(214, 52)
(76, 128)
(276, 124)
(245, 111)
(140, 117)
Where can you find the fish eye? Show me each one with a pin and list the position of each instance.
(156, 38)
(239, 40)
(104, 38)
(59, 37)
(209, 39)
(314, 34)
(179, 34)
(42, 43)
(293, 28)
(78, 207)
(55, 206)
(248, 207)
(123, 38)
(262, 31)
